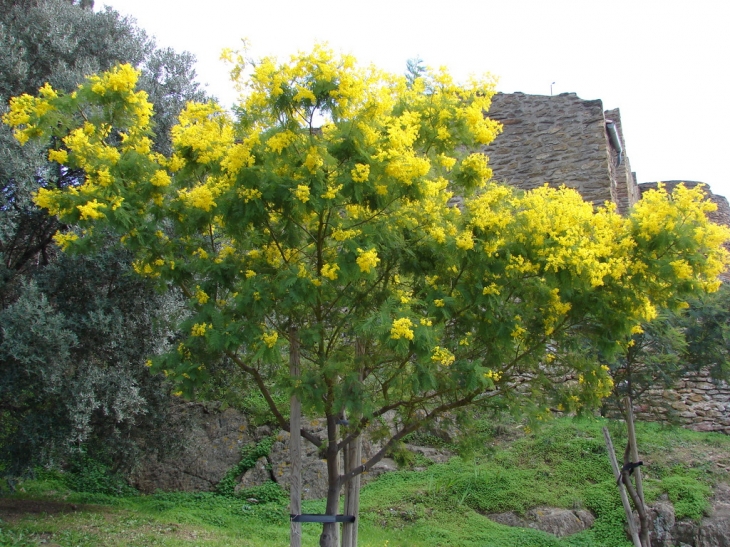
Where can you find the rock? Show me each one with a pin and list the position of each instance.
(383, 466)
(262, 432)
(714, 530)
(256, 476)
(559, 522)
(662, 521)
(314, 469)
(436, 455)
(211, 446)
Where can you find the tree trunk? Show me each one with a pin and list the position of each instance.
(329, 537)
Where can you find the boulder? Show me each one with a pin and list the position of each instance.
(256, 476)
(662, 523)
(314, 469)
(212, 445)
(436, 455)
(559, 522)
(711, 531)
(714, 530)
(385, 465)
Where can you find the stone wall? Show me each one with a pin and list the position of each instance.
(560, 140)
(697, 402)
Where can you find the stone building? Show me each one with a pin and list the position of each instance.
(562, 140)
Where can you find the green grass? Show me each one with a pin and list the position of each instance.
(563, 464)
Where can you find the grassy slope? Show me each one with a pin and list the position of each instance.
(563, 464)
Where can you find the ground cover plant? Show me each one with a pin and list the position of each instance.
(561, 464)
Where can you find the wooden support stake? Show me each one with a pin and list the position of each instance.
(353, 459)
(295, 451)
(624, 498)
(634, 450)
(638, 495)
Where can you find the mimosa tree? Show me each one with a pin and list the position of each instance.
(315, 224)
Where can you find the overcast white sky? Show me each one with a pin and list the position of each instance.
(664, 63)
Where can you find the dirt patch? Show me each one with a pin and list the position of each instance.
(12, 509)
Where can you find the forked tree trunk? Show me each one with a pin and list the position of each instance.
(352, 453)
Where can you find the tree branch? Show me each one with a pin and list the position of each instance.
(283, 423)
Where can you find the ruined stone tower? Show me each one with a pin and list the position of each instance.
(562, 140)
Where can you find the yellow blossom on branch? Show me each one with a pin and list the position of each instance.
(201, 296)
(402, 329)
(330, 271)
(59, 156)
(199, 329)
(367, 260)
(442, 356)
(301, 192)
(90, 210)
(270, 338)
(360, 173)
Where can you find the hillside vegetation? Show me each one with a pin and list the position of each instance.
(561, 464)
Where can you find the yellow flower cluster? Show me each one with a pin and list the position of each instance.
(338, 234)
(201, 295)
(90, 210)
(248, 194)
(59, 156)
(367, 260)
(401, 328)
(270, 338)
(330, 271)
(331, 192)
(493, 375)
(279, 141)
(360, 173)
(475, 168)
(313, 161)
(200, 197)
(204, 129)
(301, 192)
(63, 240)
(120, 79)
(160, 178)
(442, 356)
(199, 329)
